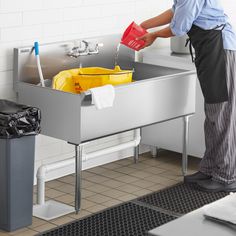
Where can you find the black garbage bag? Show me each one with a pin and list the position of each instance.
(18, 120)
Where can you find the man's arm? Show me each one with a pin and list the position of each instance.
(149, 38)
(162, 19)
(163, 33)
(183, 16)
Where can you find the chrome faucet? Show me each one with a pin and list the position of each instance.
(84, 48)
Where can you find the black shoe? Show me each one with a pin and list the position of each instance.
(194, 178)
(211, 185)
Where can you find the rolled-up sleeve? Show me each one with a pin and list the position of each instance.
(185, 13)
(173, 7)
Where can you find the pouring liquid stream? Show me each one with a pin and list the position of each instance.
(117, 54)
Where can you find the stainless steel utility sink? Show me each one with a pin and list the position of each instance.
(158, 94)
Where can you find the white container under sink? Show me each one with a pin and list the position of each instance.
(178, 44)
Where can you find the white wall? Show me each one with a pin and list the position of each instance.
(24, 21)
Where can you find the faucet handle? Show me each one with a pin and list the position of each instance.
(93, 48)
(86, 43)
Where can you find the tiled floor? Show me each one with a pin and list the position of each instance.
(111, 184)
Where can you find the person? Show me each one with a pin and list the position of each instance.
(214, 42)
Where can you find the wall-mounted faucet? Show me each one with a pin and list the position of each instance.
(84, 48)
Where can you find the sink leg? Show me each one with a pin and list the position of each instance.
(136, 154)
(154, 151)
(185, 145)
(158, 152)
(78, 174)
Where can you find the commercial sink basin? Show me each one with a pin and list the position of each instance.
(158, 94)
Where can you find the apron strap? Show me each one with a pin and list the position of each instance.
(222, 26)
(188, 42)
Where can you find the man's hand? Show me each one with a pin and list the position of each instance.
(149, 38)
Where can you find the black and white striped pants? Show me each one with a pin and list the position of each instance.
(219, 159)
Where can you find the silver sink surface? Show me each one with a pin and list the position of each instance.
(144, 71)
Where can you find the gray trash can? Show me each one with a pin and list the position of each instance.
(18, 126)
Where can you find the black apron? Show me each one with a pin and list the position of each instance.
(210, 62)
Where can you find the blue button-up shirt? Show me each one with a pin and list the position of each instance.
(206, 14)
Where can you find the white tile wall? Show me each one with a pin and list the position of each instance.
(24, 21)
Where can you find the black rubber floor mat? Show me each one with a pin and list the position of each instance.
(181, 198)
(128, 219)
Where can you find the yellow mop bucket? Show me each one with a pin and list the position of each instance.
(82, 79)
(65, 81)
